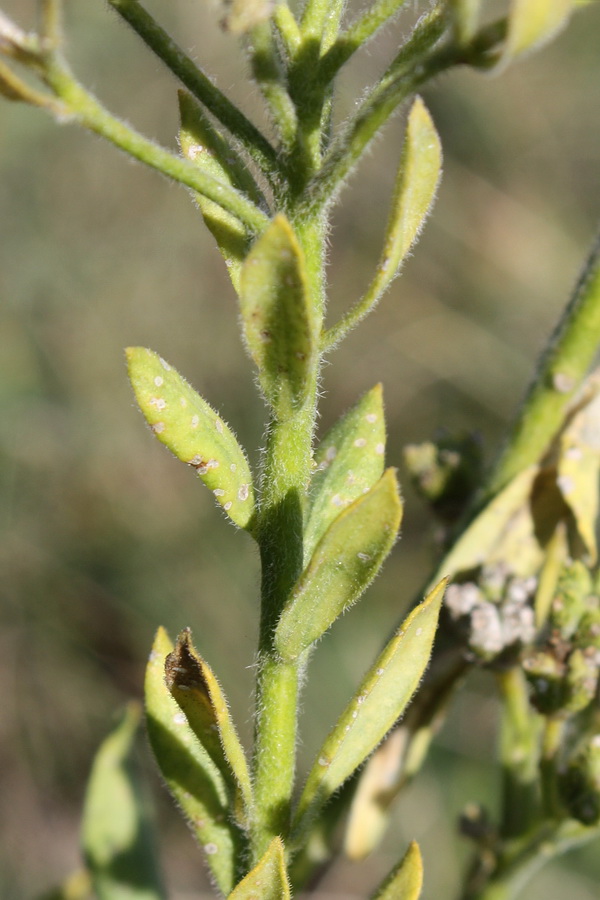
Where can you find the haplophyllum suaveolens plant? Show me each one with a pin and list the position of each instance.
(325, 518)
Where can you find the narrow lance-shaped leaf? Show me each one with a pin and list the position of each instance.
(196, 690)
(201, 143)
(195, 782)
(280, 324)
(193, 432)
(268, 879)
(379, 702)
(345, 562)
(117, 835)
(414, 192)
(405, 882)
(532, 23)
(348, 462)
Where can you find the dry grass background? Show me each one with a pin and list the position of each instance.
(104, 536)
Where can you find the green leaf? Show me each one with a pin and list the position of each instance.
(117, 835)
(506, 518)
(268, 879)
(379, 702)
(280, 326)
(405, 882)
(579, 466)
(198, 693)
(465, 14)
(195, 782)
(206, 147)
(193, 432)
(532, 23)
(414, 192)
(348, 462)
(345, 562)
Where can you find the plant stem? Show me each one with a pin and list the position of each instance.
(287, 28)
(402, 78)
(564, 364)
(551, 743)
(526, 857)
(518, 754)
(86, 110)
(51, 23)
(361, 31)
(268, 72)
(254, 142)
(286, 474)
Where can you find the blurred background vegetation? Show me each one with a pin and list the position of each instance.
(104, 536)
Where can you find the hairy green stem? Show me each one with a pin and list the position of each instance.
(411, 68)
(361, 31)
(286, 474)
(554, 728)
(82, 107)
(287, 28)
(253, 141)
(268, 71)
(564, 364)
(518, 754)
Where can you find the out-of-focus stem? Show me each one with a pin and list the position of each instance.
(518, 754)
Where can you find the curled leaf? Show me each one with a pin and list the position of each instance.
(345, 562)
(280, 325)
(117, 834)
(268, 879)
(379, 702)
(348, 462)
(198, 693)
(195, 782)
(193, 432)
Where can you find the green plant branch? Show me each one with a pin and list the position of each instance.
(321, 21)
(518, 754)
(51, 23)
(231, 117)
(286, 475)
(562, 367)
(407, 72)
(287, 28)
(524, 858)
(268, 71)
(361, 31)
(82, 107)
(554, 729)
(14, 88)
